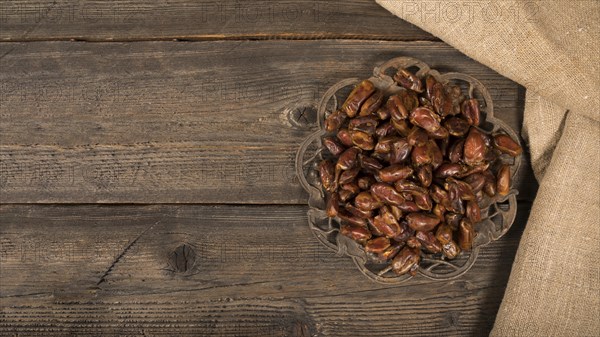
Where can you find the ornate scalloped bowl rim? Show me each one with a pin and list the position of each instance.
(345, 246)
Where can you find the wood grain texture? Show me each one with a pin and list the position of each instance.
(185, 122)
(248, 270)
(105, 20)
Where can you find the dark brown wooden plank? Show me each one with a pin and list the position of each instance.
(170, 122)
(105, 20)
(257, 271)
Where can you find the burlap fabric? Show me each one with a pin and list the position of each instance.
(552, 48)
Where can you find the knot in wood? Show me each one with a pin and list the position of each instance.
(182, 258)
(302, 116)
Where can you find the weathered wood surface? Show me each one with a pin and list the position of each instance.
(107, 20)
(216, 121)
(196, 122)
(244, 271)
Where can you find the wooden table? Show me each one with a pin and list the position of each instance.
(147, 179)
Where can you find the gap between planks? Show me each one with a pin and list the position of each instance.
(217, 37)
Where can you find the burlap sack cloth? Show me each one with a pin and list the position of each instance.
(552, 49)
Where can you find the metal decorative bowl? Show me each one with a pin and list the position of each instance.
(497, 213)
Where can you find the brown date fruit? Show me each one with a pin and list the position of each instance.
(455, 153)
(384, 226)
(366, 202)
(425, 175)
(374, 230)
(409, 98)
(423, 201)
(387, 194)
(466, 234)
(413, 242)
(386, 213)
(444, 234)
(369, 163)
(405, 232)
(383, 112)
(475, 169)
(429, 242)
(357, 97)
(425, 118)
(437, 158)
(451, 250)
(351, 219)
(384, 129)
(465, 192)
(395, 172)
(449, 170)
(452, 188)
(364, 183)
(407, 261)
(455, 205)
(507, 145)
(457, 126)
(470, 109)
(443, 144)
(503, 180)
(333, 205)
(396, 108)
(473, 211)
(400, 151)
(409, 207)
(348, 159)
(327, 174)
(348, 191)
(383, 157)
(401, 126)
(453, 219)
(348, 176)
(441, 101)
(408, 80)
(430, 82)
(366, 124)
(356, 233)
(417, 136)
(438, 194)
(358, 212)
(345, 138)
(440, 133)
(377, 245)
(479, 197)
(422, 221)
(351, 186)
(455, 93)
(372, 104)
(396, 212)
(439, 210)
(389, 252)
(476, 181)
(490, 183)
(421, 155)
(346, 195)
(333, 146)
(384, 145)
(474, 149)
(334, 120)
(405, 185)
(362, 140)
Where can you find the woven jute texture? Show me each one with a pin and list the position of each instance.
(551, 48)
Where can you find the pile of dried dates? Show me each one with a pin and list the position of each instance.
(406, 173)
